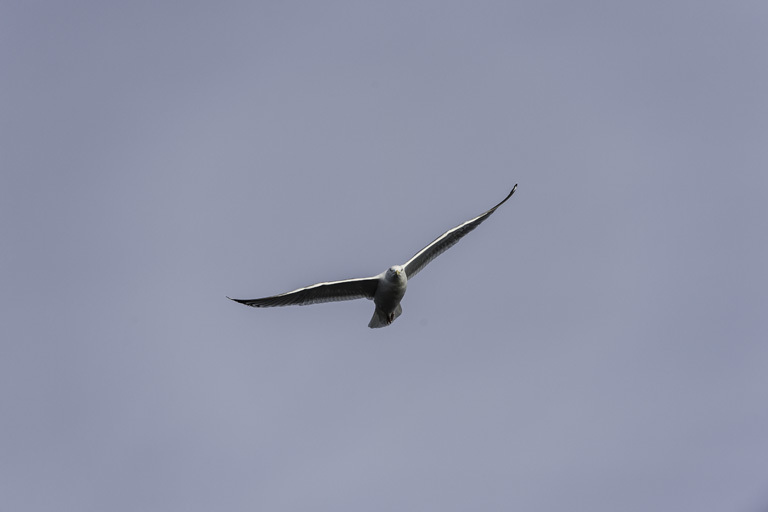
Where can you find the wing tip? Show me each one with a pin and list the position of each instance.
(505, 199)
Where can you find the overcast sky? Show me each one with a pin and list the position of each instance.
(599, 343)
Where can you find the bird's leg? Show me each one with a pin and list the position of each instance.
(390, 318)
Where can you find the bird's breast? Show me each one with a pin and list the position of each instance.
(390, 292)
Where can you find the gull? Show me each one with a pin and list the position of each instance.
(386, 289)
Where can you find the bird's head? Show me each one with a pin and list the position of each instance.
(396, 272)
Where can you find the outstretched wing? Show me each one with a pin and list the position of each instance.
(447, 240)
(321, 292)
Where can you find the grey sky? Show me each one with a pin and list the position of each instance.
(598, 344)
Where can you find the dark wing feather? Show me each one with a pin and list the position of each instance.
(447, 240)
(320, 292)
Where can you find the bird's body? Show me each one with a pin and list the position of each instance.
(386, 289)
(389, 292)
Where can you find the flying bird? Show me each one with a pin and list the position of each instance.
(386, 289)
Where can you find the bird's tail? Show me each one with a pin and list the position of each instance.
(381, 319)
